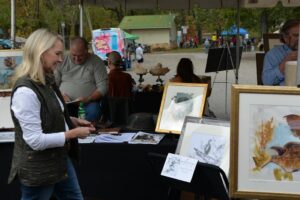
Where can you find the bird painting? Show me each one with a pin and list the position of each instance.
(287, 158)
(294, 123)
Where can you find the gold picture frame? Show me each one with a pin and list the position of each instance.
(9, 60)
(180, 100)
(264, 138)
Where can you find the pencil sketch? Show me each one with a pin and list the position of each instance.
(207, 148)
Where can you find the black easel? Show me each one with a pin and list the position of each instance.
(209, 181)
(223, 59)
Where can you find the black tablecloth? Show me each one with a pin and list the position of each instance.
(106, 171)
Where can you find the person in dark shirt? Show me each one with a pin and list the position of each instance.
(185, 74)
(119, 83)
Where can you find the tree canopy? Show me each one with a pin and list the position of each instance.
(33, 14)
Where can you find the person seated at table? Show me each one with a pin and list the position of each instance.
(276, 58)
(119, 83)
(82, 76)
(118, 106)
(185, 74)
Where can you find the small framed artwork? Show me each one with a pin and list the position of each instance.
(9, 60)
(265, 138)
(180, 100)
(271, 40)
(5, 116)
(207, 143)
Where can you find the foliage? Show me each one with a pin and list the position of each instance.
(5, 14)
(33, 14)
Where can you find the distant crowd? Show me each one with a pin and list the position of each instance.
(214, 42)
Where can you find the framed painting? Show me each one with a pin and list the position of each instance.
(9, 60)
(207, 143)
(5, 116)
(265, 150)
(180, 100)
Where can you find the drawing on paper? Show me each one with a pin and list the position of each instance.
(172, 164)
(207, 148)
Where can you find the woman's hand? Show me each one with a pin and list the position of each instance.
(81, 122)
(66, 97)
(79, 132)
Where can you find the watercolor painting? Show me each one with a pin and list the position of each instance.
(180, 100)
(9, 60)
(276, 142)
(265, 128)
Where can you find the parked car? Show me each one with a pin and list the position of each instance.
(5, 44)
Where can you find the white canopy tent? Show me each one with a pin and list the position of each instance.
(169, 4)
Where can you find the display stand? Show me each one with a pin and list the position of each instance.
(209, 181)
(223, 59)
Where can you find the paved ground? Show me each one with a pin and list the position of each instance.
(219, 104)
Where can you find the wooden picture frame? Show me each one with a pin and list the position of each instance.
(9, 60)
(180, 100)
(271, 40)
(264, 138)
(208, 143)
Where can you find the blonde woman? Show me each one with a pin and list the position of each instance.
(45, 135)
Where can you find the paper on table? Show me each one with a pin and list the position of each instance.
(146, 138)
(7, 136)
(108, 138)
(88, 139)
(179, 167)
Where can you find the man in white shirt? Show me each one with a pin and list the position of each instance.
(139, 54)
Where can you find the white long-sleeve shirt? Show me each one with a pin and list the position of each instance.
(26, 108)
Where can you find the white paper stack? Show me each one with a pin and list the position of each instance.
(109, 138)
(7, 136)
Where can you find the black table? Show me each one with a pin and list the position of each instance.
(106, 171)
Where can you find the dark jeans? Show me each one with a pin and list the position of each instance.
(65, 189)
(140, 60)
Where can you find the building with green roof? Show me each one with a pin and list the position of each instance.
(158, 31)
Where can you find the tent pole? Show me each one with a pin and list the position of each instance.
(81, 18)
(13, 24)
(237, 60)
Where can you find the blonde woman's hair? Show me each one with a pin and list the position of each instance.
(32, 65)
